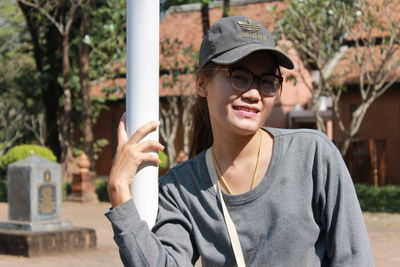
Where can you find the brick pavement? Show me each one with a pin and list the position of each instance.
(384, 231)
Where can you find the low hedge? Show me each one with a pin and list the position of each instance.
(3, 191)
(371, 198)
(379, 199)
(101, 190)
(23, 151)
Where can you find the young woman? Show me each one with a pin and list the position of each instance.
(287, 193)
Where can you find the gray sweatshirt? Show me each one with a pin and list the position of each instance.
(303, 213)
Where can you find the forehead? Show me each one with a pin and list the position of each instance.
(258, 62)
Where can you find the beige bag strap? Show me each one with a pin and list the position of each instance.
(237, 249)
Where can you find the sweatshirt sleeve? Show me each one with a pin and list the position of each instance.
(347, 242)
(168, 244)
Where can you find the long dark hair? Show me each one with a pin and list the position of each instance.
(202, 137)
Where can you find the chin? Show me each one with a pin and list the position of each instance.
(247, 128)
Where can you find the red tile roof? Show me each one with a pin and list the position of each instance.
(386, 12)
(348, 70)
(186, 27)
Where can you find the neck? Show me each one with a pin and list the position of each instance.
(229, 148)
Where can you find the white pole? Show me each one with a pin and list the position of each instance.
(142, 94)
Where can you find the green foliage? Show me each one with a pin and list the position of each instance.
(107, 39)
(101, 190)
(164, 159)
(379, 199)
(3, 190)
(317, 28)
(66, 191)
(98, 145)
(168, 3)
(20, 103)
(371, 198)
(22, 151)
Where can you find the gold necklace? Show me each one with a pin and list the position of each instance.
(255, 169)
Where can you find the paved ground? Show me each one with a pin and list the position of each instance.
(384, 231)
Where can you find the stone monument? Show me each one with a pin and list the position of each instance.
(34, 225)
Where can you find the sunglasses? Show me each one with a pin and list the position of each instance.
(242, 80)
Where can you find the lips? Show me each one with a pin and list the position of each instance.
(246, 109)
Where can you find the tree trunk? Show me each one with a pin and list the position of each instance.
(355, 124)
(84, 53)
(169, 127)
(65, 120)
(345, 146)
(226, 8)
(187, 121)
(205, 18)
(51, 90)
(318, 118)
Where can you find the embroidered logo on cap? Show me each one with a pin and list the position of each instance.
(249, 26)
(251, 30)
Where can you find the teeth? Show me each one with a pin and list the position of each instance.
(246, 109)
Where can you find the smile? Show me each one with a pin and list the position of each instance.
(246, 109)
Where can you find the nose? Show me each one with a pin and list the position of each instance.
(253, 93)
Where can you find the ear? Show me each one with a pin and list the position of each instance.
(201, 84)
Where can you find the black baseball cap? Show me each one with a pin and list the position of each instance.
(232, 38)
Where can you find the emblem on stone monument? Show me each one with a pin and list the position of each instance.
(47, 176)
(47, 199)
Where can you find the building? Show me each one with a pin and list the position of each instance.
(382, 121)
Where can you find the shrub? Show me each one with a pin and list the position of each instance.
(164, 159)
(101, 190)
(3, 191)
(22, 151)
(66, 190)
(379, 199)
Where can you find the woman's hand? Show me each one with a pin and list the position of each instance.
(130, 154)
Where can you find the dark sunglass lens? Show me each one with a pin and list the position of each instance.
(241, 79)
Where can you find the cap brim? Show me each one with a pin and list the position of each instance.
(234, 55)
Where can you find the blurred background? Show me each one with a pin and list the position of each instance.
(63, 84)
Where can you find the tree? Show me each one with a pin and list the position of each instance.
(87, 53)
(44, 43)
(205, 16)
(373, 58)
(364, 35)
(20, 105)
(84, 67)
(165, 4)
(226, 8)
(317, 30)
(61, 14)
(177, 65)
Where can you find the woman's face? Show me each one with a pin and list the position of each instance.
(239, 112)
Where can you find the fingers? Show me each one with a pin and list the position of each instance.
(150, 146)
(143, 131)
(122, 132)
(150, 157)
